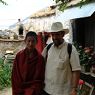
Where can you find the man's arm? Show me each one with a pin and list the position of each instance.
(75, 81)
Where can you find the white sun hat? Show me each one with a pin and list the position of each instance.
(58, 26)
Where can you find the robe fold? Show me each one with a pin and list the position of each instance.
(28, 73)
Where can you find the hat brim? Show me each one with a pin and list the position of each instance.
(65, 30)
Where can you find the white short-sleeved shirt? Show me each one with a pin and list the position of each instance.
(58, 69)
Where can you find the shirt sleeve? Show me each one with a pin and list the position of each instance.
(44, 52)
(74, 60)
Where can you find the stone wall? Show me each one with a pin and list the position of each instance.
(13, 45)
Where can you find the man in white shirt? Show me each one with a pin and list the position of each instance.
(62, 73)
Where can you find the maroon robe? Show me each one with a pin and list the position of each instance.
(40, 43)
(28, 73)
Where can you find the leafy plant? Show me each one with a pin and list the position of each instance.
(5, 74)
(63, 4)
(1, 1)
(86, 55)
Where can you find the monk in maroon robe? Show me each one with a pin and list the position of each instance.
(28, 69)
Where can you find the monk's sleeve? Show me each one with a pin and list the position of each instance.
(39, 76)
(16, 78)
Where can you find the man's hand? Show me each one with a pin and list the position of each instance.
(73, 91)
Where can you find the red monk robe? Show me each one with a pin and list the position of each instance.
(28, 73)
(40, 43)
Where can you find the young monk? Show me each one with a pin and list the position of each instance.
(28, 69)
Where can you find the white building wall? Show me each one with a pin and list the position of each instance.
(44, 23)
(68, 37)
(40, 24)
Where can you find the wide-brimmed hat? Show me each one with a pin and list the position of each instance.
(58, 26)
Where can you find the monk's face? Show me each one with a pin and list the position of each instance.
(30, 42)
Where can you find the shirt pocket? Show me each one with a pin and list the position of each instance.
(61, 64)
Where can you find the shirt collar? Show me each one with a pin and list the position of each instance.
(61, 45)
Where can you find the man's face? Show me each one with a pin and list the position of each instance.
(57, 37)
(30, 42)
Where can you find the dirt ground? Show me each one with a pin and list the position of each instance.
(7, 91)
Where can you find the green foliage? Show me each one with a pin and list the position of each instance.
(86, 55)
(5, 74)
(63, 4)
(82, 55)
(3, 2)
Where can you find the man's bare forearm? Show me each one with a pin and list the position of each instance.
(75, 81)
(75, 78)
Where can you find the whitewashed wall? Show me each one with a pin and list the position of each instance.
(40, 24)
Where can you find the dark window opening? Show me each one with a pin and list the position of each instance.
(84, 31)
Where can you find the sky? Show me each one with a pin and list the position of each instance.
(20, 9)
